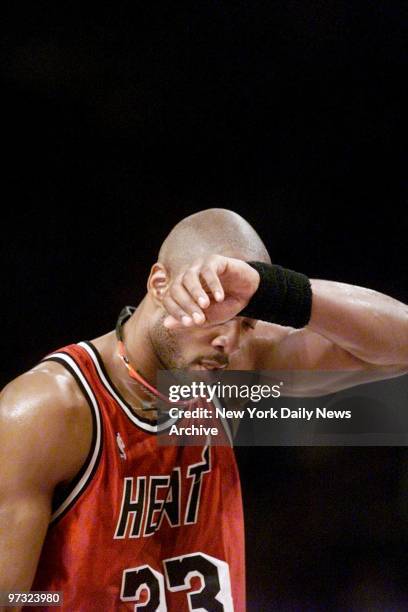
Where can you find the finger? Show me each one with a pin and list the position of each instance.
(171, 323)
(176, 311)
(186, 302)
(191, 282)
(213, 283)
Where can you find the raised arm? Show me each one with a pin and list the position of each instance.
(44, 436)
(341, 327)
(371, 326)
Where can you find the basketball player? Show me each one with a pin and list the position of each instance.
(90, 504)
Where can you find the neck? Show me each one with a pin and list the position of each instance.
(141, 355)
(138, 345)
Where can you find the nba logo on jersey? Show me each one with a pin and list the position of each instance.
(121, 446)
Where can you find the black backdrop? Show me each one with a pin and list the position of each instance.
(120, 121)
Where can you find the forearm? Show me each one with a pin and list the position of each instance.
(368, 324)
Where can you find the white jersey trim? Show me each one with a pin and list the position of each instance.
(98, 435)
(130, 414)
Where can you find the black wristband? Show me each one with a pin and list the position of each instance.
(283, 296)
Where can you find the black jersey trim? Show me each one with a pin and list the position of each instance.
(147, 426)
(85, 475)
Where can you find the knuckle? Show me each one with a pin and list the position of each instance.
(197, 292)
(184, 303)
(192, 284)
(188, 277)
(168, 306)
(196, 263)
(176, 310)
(175, 291)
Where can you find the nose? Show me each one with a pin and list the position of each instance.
(227, 339)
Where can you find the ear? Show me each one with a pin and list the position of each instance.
(158, 281)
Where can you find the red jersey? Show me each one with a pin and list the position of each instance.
(144, 527)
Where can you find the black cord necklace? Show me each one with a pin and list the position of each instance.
(158, 399)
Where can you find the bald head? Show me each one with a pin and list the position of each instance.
(212, 231)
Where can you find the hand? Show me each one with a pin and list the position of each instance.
(213, 289)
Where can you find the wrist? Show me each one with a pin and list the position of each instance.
(254, 278)
(283, 296)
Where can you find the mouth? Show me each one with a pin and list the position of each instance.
(212, 365)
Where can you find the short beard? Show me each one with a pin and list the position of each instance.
(165, 345)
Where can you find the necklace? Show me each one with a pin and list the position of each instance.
(157, 397)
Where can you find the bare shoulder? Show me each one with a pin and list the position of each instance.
(45, 424)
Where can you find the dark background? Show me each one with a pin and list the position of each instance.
(118, 122)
